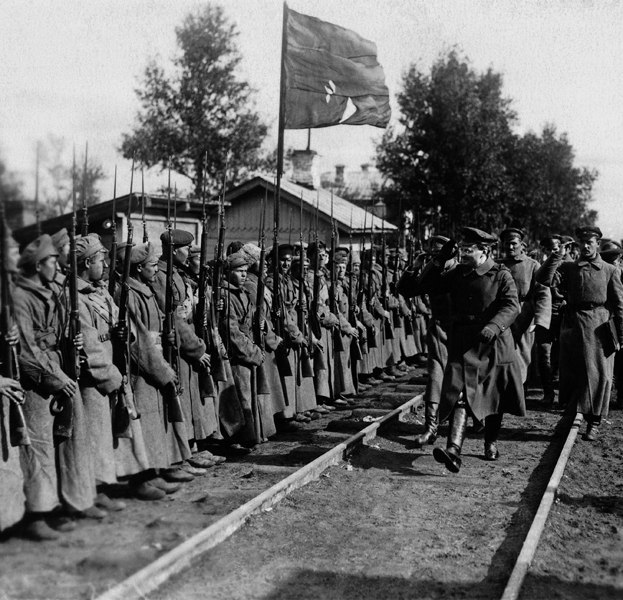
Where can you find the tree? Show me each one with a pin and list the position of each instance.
(199, 115)
(449, 154)
(11, 197)
(551, 194)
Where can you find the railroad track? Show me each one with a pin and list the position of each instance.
(145, 582)
(155, 574)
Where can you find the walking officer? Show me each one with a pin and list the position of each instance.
(482, 376)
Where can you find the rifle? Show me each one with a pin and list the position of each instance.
(278, 309)
(205, 317)
(85, 212)
(258, 316)
(169, 333)
(355, 348)
(370, 331)
(145, 234)
(392, 286)
(338, 345)
(61, 406)
(18, 431)
(314, 321)
(122, 411)
(112, 270)
(219, 256)
(388, 329)
(305, 367)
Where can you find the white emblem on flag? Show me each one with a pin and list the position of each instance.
(330, 89)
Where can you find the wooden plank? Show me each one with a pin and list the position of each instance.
(152, 576)
(528, 550)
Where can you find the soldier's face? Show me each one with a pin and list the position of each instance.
(285, 262)
(512, 246)
(47, 269)
(340, 270)
(472, 255)
(195, 264)
(356, 269)
(96, 267)
(589, 246)
(147, 271)
(63, 255)
(323, 258)
(180, 255)
(238, 276)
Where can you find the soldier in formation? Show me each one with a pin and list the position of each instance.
(151, 378)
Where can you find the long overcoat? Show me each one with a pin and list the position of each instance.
(487, 374)
(235, 326)
(40, 314)
(166, 443)
(98, 377)
(592, 324)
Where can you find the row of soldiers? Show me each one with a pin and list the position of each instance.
(487, 314)
(278, 355)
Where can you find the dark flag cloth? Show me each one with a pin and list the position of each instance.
(329, 73)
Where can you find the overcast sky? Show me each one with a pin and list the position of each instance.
(70, 68)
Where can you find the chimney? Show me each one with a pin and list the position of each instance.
(339, 175)
(305, 169)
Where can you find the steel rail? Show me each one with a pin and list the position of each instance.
(529, 547)
(152, 576)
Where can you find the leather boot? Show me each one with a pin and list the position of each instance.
(451, 456)
(430, 433)
(493, 424)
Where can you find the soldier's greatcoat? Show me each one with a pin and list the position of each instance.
(535, 302)
(199, 414)
(487, 374)
(98, 376)
(40, 316)
(343, 378)
(166, 443)
(12, 480)
(592, 324)
(244, 355)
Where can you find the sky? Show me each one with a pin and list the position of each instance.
(70, 69)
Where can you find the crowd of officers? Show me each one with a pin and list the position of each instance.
(281, 359)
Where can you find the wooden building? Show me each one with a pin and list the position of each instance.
(243, 206)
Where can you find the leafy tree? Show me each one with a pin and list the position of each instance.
(454, 160)
(449, 153)
(11, 197)
(551, 194)
(200, 114)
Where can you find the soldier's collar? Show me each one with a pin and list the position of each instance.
(596, 263)
(483, 268)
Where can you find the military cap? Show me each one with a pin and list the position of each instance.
(237, 260)
(297, 261)
(567, 239)
(234, 247)
(511, 232)
(585, 232)
(472, 235)
(60, 238)
(143, 253)
(547, 241)
(609, 250)
(355, 257)
(297, 245)
(88, 246)
(252, 251)
(179, 238)
(438, 239)
(36, 251)
(313, 248)
(195, 251)
(341, 253)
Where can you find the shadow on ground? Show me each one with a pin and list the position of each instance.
(312, 585)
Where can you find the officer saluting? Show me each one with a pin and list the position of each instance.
(482, 376)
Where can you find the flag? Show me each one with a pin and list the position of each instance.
(332, 76)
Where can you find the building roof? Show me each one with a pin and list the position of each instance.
(343, 210)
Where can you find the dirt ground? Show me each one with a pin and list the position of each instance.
(97, 555)
(581, 551)
(391, 523)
